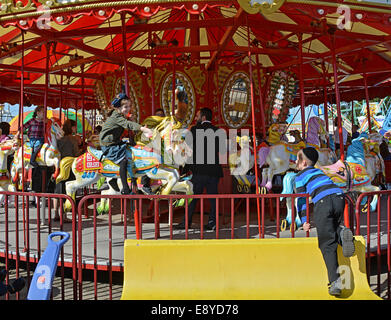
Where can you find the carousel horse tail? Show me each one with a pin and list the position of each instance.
(65, 168)
(262, 155)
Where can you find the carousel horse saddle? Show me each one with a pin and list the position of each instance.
(95, 160)
(97, 154)
(346, 174)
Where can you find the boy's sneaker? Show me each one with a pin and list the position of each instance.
(347, 242)
(335, 287)
(147, 190)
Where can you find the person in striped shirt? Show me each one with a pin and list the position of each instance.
(329, 204)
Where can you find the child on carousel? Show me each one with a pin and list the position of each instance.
(36, 132)
(113, 147)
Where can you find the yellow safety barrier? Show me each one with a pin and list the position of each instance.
(238, 269)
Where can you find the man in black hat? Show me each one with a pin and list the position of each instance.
(329, 204)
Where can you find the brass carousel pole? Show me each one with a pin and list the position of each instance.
(21, 129)
(253, 129)
(126, 77)
(61, 100)
(325, 103)
(173, 84)
(367, 102)
(263, 121)
(152, 75)
(301, 80)
(82, 106)
(20, 126)
(337, 98)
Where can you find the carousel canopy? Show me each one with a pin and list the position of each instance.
(77, 43)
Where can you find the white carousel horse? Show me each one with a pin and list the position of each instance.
(281, 156)
(7, 148)
(48, 155)
(147, 160)
(350, 175)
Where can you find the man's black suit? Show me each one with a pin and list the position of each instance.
(205, 175)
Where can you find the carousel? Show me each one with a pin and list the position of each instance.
(250, 62)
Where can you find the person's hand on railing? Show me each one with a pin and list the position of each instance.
(306, 226)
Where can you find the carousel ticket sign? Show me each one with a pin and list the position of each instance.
(262, 6)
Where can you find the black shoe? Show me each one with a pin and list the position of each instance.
(126, 191)
(181, 226)
(16, 285)
(3, 274)
(147, 190)
(347, 240)
(210, 226)
(113, 183)
(335, 288)
(34, 164)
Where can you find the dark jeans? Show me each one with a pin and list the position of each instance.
(200, 182)
(146, 181)
(328, 215)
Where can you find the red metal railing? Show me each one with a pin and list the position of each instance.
(97, 241)
(32, 230)
(378, 227)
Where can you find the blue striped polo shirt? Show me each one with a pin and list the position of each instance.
(314, 182)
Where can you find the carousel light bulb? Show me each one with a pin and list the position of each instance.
(321, 11)
(59, 19)
(49, 3)
(22, 22)
(101, 12)
(195, 6)
(359, 16)
(147, 9)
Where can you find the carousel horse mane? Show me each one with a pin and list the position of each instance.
(158, 124)
(355, 152)
(48, 132)
(275, 131)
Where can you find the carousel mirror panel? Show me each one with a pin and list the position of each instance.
(236, 102)
(184, 98)
(281, 90)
